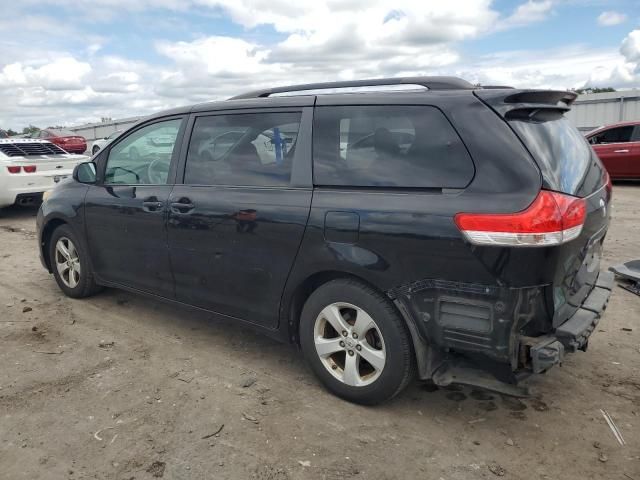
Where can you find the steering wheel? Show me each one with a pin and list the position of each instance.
(158, 171)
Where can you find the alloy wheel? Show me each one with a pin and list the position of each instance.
(67, 262)
(349, 344)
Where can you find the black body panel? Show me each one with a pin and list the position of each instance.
(233, 251)
(65, 205)
(127, 236)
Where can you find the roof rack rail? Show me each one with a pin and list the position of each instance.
(431, 83)
(496, 87)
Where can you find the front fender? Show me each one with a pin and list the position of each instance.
(65, 205)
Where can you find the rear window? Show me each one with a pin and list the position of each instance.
(388, 146)
(30, 149)
(562, 153)
(62, 133)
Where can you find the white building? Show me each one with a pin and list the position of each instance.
(95, 131)
(593, 110)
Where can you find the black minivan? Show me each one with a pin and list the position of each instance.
(385, 226)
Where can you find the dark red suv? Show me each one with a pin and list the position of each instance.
(618, 146)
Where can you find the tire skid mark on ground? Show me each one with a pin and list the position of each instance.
(40, 392)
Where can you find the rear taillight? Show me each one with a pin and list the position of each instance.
(14, 169)
(552, 219)
(29, 169)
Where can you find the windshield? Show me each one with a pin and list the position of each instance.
(562, 153)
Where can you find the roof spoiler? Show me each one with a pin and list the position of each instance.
(431, 83)
(510, 103)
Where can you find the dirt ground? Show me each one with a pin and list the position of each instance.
(122, 387)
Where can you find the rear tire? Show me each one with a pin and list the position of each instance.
(95, 149)
(355, 341)
(70, 264)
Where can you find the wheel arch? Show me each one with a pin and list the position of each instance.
(293, 306)
(47, 232)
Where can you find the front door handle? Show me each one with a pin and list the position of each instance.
(621, 151)
(184, 205)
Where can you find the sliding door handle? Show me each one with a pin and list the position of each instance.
(183, 206)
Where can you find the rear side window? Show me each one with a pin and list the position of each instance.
(388, 146)
(245, 149)
(560, 150)
(613, 135)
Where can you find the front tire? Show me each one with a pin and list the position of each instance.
(356, 342)
(70, 264)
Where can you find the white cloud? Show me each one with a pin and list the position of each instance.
(563, 68)
(630, 48)
(439, 21)
(625, 72)
(610, 18)
(43, 81)
(529, 12)
(64, 73)
(217, 55)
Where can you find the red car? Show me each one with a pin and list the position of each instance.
(618, 146)
(65, 139)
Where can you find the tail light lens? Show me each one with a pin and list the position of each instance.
(14, 169)
(552, 219)
(29, 169)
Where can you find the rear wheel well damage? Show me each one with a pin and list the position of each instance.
(421, 350)
(47, 231)
(460, 325)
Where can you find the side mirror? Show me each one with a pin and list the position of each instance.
(85, 173)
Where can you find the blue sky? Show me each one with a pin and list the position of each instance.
(67, 62)
(567, 23)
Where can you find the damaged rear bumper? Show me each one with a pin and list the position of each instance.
(541, 353)
(463, 332)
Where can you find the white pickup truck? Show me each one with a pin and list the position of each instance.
(29, 167)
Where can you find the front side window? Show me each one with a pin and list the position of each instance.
(144, 156)
(388, 146)
(253, 149)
